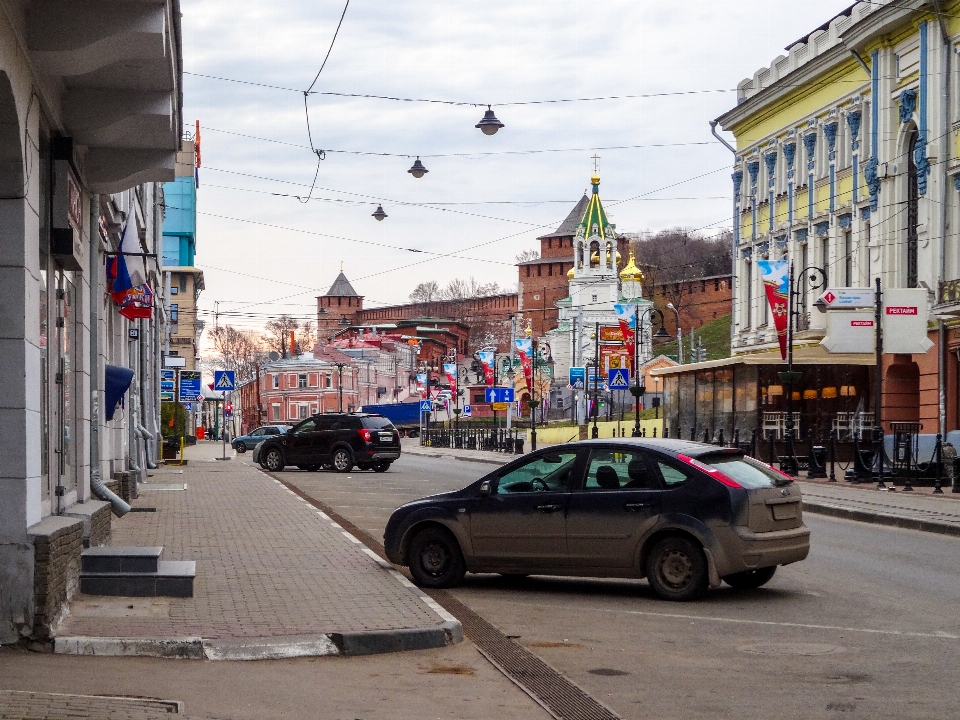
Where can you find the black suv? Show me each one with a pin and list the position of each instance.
(337, 440)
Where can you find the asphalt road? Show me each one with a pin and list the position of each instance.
(867, 626)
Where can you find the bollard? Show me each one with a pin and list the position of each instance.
(643, 432)
(693, 434)
(833, 455)
(706, 436)
(655, 431)
(736, 438)
(753, 443)
(937, 454)
(720, 437)
(772, 448)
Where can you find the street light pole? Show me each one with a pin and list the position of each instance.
(679, 334)
(636, 370)
(595, 433)
(513, 342)
(340, 367)
(533, 397)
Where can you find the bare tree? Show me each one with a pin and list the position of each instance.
(237, 350)
(528, 255)
(425, 292)
(306, 337)
(277, 335)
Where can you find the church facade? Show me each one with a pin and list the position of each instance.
(594, 287)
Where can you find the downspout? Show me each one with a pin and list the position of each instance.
(733, 256)
(119, 507)
(944, 154)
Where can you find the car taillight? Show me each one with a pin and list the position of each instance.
(711, 471)
(366, 435)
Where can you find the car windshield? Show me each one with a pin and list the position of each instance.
(751, 474)
(377, 423)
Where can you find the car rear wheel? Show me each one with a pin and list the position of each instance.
(435, 559)
(273, 460)
(313, 468)
(750, 579)
(382, 466)
(677, 569)
(241, 448)
(342, 461)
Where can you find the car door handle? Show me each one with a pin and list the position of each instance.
(548, 508)
(635, 506)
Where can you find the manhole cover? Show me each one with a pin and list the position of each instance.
(607, 672)
(790, 649)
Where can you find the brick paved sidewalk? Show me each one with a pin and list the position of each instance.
(275, 578)
(19, 705)
(919, 510)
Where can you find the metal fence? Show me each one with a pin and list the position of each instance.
(475, 438)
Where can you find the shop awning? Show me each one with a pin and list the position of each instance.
(802, 355)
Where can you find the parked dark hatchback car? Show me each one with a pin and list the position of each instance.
(255, 437)
(685, 515)
(339, 440)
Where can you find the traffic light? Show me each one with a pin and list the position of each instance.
(228, 409)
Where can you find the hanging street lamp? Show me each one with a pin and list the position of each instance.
(489, 124)
(417, 169)
(379, 214)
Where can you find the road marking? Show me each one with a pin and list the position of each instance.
(939, 634)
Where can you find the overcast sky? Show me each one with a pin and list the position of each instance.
(485, 199)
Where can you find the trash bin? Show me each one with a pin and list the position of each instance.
(201, 433)
(519, 446)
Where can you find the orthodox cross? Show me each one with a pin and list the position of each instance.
(595, 159)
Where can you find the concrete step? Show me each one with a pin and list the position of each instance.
(120, 559)
(172, 578)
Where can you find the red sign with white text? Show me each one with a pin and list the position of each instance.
(861, 323)
(901, 310)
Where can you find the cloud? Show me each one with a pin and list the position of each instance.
(491, 52)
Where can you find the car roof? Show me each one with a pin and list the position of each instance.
(690, 448)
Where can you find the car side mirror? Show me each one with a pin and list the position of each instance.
(485, 488)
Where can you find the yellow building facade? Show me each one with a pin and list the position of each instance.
(847, 160)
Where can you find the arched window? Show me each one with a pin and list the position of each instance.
(594, 254)
(913, 208)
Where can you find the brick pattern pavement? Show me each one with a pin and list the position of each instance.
(268, 565)
(17, 705)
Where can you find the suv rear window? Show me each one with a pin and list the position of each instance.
(752, 475)
(377, 423)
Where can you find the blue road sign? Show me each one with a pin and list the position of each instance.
(618, 379)
(467, 410)
(190, 386)
(426, 406)
(225, 380)
(499, 394)
(578, 378)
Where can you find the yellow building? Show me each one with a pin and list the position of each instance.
(847, 161)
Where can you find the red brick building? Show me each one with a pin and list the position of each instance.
(699, 301)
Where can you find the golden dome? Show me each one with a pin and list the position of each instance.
(595, 257)
(595, 180)
(570, 274)
(631, 272)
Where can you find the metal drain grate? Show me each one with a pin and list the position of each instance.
(552, 691)
(555, 693)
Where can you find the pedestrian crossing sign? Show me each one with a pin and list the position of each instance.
(224, 380)
(426, 406)
(618, 379)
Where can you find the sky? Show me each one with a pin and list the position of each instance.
(267, 250)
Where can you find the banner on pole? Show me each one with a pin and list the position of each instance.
(776, 280)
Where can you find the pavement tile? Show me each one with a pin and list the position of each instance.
(267, 564)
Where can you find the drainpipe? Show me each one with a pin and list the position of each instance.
(119, 507)
(944, 154)
(733, 255)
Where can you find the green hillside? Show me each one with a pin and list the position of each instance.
(716, 339)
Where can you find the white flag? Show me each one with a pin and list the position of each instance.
(130, 243)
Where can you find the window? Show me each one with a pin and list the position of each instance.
(748, 294)
(329, 380)
(183, 283)
(276, 382)
(302, 380)
(305, 427)
(671, 475)
(174, 312)
(913, 218)
(275, 413)
(848, 258)
(549, 472)
(174, 290)
(611, 469)
(825, 259)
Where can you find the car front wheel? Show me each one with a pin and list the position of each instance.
(677, 569)
(273, 460)
(342, 462)
(435, 559)
(750, 579)
(382, 466)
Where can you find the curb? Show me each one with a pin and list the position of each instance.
(876, 518)
(362, 642)
(440, 456)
